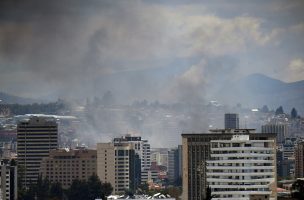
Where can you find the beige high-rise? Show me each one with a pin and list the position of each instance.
(115, 164)
(64, 165)
(106, 163)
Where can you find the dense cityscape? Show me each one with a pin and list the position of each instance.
(141, 99)
(44, 156)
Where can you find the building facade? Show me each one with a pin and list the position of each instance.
(36, 136)
(197, 151)
(242, 168)
(8, 180)
(299, 160)
(173, 168)
(118, 164)
(141, 147)
(285, 167)
(231, 121)
(149, 175)
(279, 129)
(65, 165)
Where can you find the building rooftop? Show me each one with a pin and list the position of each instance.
(138, 197)
(228, 130)
(213, 132)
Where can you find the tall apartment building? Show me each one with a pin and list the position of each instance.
(118, 164)
(65, 165)
(279, 129)
(231, 121)
(36, 136)
(173, 167)
(8, 180)
(285, 167)
(141, 147)
(197, 151)
(242, 168)
(299, 160)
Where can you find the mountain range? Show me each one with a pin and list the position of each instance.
(11, 99)
(257, 90)
(252, 91)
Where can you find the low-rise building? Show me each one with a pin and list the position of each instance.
(65, 165)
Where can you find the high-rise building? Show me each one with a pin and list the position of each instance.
(285, 167)
(173, 164)
(197, 151)
(65, 165)
(279, 129)
(36, 136)
(299, 160)
(231, 121)
(141, 147)
(8, 180)
(242, 168)
(118, 164)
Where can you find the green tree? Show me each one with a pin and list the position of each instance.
(279, 110)
(144, 188)
(56, 191)
(43, 186)
(79, 190)
(298, 189)
(107, 189)
(130, 193)
(175, 192)
(95, 187)
(294, 113)
(30, 193)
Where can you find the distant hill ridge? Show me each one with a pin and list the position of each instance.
(257, 90)
(11, 99)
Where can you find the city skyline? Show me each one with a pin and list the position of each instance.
(141, 99)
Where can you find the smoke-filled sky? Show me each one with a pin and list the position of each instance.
(153, 49)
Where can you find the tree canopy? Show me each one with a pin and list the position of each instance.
(279, 110)
(91, 189)
(298, 189)
(294, 113)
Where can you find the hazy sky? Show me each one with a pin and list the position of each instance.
(152, 49)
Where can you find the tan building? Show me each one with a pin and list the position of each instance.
(64, 165)
(197, 152)
(106, 163)
(299, 160)
(118, 164)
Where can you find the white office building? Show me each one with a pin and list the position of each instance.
(141, 147)
(241, 168)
